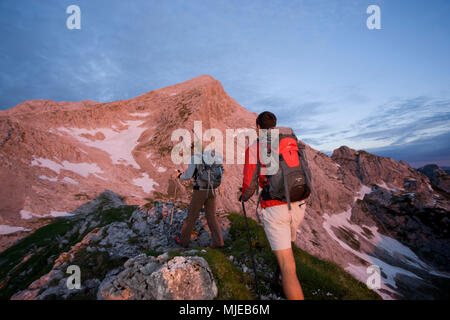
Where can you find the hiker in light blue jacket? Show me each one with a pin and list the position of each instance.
(207, 171)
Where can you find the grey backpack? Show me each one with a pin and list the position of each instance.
(209, 176)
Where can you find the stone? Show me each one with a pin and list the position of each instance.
(181, 278)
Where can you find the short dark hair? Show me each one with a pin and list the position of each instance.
(266, 120)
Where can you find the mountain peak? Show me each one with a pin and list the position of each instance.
(343, 152)
(201, 82)
(437, 176)
(204, 78)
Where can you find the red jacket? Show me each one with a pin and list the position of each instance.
(249, 181)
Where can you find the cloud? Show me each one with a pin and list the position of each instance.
(420, 152)
(400, 122)
(416, 130)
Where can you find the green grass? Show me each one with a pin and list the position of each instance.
(43, 247)
(320, 279)
(313, 273)
(118, 214)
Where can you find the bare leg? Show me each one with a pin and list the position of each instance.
(291, 285)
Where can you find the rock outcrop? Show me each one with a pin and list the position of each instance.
(437, 176)
(150, 278)
(111, 258)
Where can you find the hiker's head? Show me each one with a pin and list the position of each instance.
(266, 120)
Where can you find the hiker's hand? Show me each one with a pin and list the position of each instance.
(240, 194)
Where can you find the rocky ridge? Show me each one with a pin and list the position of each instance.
(112, 260)
(128, 253)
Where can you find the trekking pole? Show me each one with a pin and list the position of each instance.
(173, 203)
(251, 251)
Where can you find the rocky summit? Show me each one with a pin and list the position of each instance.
(58, 158)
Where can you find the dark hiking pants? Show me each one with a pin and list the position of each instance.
(202, 198)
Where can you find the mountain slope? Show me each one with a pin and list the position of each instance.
(54, 156)
(370, 210)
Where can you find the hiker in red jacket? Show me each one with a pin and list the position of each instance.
(281, 219)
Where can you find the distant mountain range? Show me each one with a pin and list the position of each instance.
(371, 210)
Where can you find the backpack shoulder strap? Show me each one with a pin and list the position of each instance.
(306, 170)
(285, 182)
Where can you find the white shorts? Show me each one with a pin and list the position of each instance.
(281, 225)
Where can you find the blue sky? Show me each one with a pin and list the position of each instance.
(313, 63)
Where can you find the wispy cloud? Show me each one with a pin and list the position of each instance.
(405, 121)
(413, 129)
(421, 151)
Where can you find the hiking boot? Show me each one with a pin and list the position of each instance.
(177, 241)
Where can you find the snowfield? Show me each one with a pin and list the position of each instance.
(83, 169)
(146, 183)
(143, 114)
(119, 144)
(26, 215)
(49, 179)
(362, 192)
(70, 180)
(5, 229)
(385, 186)
(393, 247)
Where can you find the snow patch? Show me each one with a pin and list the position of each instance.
(102, 178)
(363, 191)
(162, 169)
(143, 114)
(26, 215)
(385, 186)
(146, 183)
(47, 178)
(393, 247)
(56, 214)
(69, 180)
(83, 169)
(5, 229)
